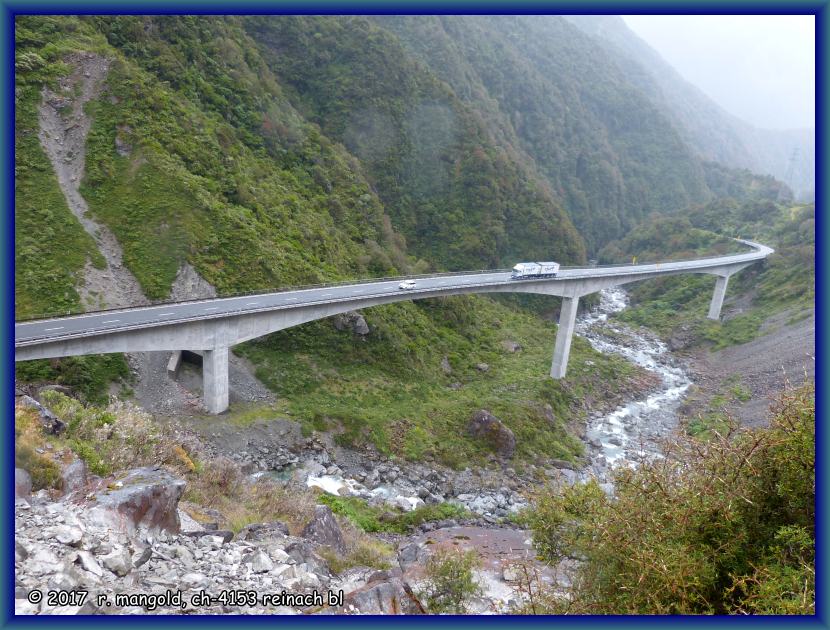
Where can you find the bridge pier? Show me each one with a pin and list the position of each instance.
(562, 347)
(717, 297)
(215, 379)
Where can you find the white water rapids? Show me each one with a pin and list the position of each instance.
(633, 430)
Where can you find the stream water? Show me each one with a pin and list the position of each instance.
(632, 431)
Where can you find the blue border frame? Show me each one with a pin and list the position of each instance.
(8, 9)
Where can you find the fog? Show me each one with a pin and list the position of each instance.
(760, 68)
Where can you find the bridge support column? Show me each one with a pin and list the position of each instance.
(215, 379)
(562, 348)
(717, 297)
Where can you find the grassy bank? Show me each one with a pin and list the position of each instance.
(783, 283)
(389, 389)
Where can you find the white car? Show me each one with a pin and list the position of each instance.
(407, 284)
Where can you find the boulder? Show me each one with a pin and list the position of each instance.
(445, 365)
(486, 427)
(352, 321)
(118, 561)
(259, 561)
(302, 552)
(324, 530)
(67, 534)
(561, 463)
(511, 346)
(263, 531)
(74, 477)
(48, 420)
(390, 597)
(22, 487)
(141, 499)
(482, 367)
(223, 535)
(54, 388)
(410, 555)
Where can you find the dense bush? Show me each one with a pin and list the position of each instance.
(450, 581)
(723, 526)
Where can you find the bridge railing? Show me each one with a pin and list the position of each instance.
(339, 283)
(285, 289)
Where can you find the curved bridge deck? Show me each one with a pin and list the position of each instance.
(214, 325)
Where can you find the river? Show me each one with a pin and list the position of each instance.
(632, 431)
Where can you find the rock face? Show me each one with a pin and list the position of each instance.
(391, 597)
(353, 321)
(50, 422)
(324, 530)
(74, 477)
(485, 426)
(144, 498)
(22, 486)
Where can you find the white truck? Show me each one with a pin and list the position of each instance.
(534, 270)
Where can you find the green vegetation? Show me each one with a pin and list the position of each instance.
(784, 283)
(450, 582)
(366, 552)
(370, 518)
(269, 152)
(726, 526)
(30, 452)
(389, 389)
(51, 247)
(87, 376)
(460, 199)
(711, 415)
(567, 109)
(109, 439)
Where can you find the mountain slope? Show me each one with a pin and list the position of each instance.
(199, 157)
(560, 100)
(717, 135)
(459, 198)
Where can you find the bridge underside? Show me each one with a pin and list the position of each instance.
(214, 337)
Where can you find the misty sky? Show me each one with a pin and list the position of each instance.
(759, 67)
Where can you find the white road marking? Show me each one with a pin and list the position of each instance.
(212, 308)
(289, 299)
(163, 314)
(358, 291)
(58, 328)
(111, 321)
(326, 294)
(251, 303)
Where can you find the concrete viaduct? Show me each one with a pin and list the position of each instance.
(212, 326)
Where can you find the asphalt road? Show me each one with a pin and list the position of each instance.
(26, 333)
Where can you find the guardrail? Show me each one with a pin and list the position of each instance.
(379, 280)
(287, 289)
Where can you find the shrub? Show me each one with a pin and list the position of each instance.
(722, 526)
(450, 581)
(28, 440)
(363, 552)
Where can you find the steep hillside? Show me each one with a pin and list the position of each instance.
(459, 198)
(716, 134)
(232, 180)
(781, 286)
(562, 102)
(213, 162)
